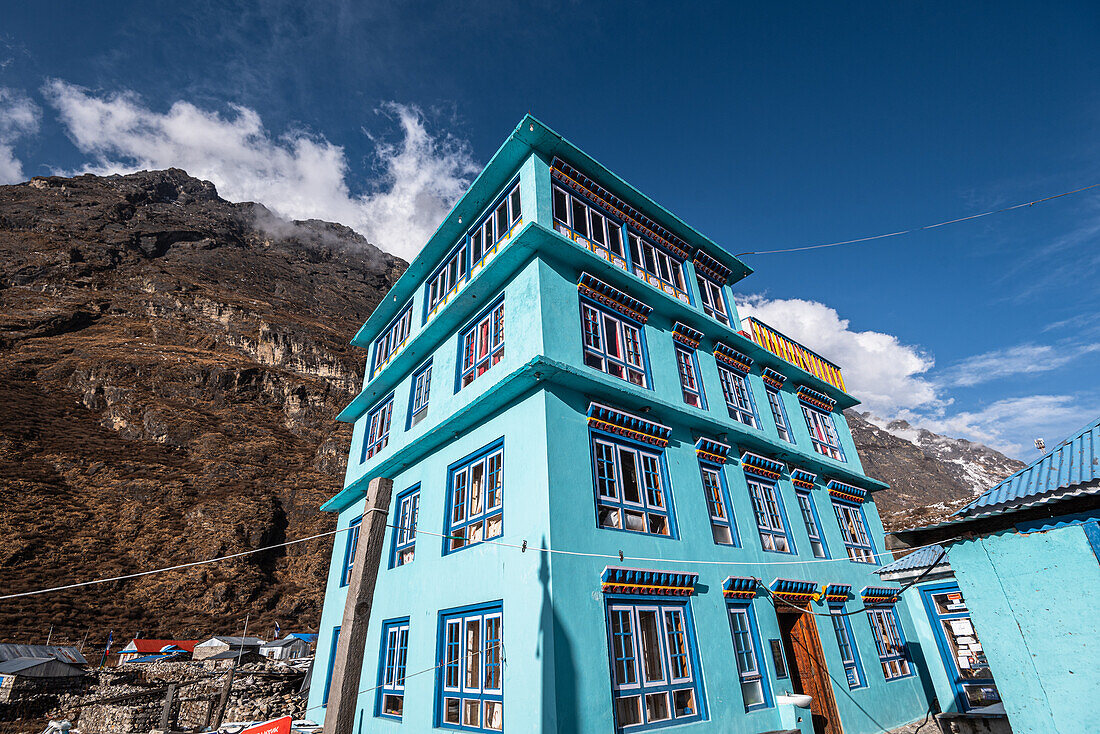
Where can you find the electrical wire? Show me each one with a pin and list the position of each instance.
(859, 240)
(620, 556)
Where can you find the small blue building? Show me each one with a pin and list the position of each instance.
(1026, 559)
(616, 506)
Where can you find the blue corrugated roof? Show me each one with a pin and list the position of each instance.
(1074, 462)
(918, 559)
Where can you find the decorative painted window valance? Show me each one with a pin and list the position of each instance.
(803, 479)
(843, 491)
(762, 466)
(816, 399)
(836, 593)
(739, 587)
(628, 425)
(614, 298)
(570, 177)
(795, 592)
(650, 583)
(712, 450)
(711, 268)
(879, 596)
(732, 357)
(773, 378)
(686, 335)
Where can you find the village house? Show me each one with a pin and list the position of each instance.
(148, 651)
(29, 670)
(563, 367)
(1025, 556)
(224, 647)
(293, 646)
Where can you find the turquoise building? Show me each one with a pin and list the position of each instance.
(1026, 559)
(616, 505)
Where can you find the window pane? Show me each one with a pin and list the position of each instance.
(649, 638)
(580, 217)
(472, 660)
(631, 491)
(560, 206)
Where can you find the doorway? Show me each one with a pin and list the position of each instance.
(806, 664)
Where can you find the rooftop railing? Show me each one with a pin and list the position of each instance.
(788, 349)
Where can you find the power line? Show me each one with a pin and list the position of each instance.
(621, 557)
(920, 229)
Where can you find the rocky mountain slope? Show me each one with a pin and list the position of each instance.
(172, 364)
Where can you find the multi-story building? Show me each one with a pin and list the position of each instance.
(616, 505)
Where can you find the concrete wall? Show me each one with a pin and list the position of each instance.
(1033, 599)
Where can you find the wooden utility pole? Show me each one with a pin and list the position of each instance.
(348, 665)
(166, 712)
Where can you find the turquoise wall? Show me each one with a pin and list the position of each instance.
(925, 652)
(556, 652)
(1033, 601)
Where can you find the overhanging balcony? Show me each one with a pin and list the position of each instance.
(788, 349)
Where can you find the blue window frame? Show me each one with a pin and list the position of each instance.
(813, 525)
(723, 527)
(853, 529)
(955, 635)
(391, 340)
(779, 413)
(655, 674)
(331, 665)
(849, 654)
(481, 344)
(771, 519)
(390, 698)
(585, 219)
(475, 499)
(892, 651)
(823, 433)
(407, 508)
(630, 482)
(713, 298)
(350, 544)
(739, 400)
(614, 344)
(469, 681)
(655, 261)
(377, 432)
(747, 654)
(418, 394)
(691, 384)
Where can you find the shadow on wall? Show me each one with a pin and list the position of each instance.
(559, 700)
(917, 656)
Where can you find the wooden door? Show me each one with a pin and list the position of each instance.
(808, 671)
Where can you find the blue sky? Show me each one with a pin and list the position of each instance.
(764, 127)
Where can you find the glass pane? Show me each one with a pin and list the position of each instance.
(609, 517)
(656, 707)
(628, 710)
(450, 710)
(684, 702)
(614, 238)
(560, 202)
(721, 534)
(392, 704)
(634, 521)
(631, 489)
(580, 218)
(473, 653)
(515, 209)
(658, 524)
(649, 636)
(753, 691)
(471, 712)
(597, 228)
(477, 476)
(494, 715)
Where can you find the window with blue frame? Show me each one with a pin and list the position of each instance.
(391, 340)
(377, 432)
(481, 344)
(588, 221)
(655, 675)
(823, 433)
(470, 684)
(768, 509)
(892, 651)
(350, 544)
(331, 665)
(630, 486)
(475, 499)
(656, 261)
(404, 534)
(418, 395)
(747, 654)
(853, 529)
(813, 527)
(722, 526)
(779, 413)
(849, 654)
(614, 344)
(390, 701)
(713, 299)
(739, 401)
(691, 385)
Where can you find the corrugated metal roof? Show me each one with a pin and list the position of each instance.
(10, 651)
(1074, 462)
(921, 558)
(235, 641)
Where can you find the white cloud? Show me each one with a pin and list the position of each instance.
(19, 116)
(1022, 359)
(297, 175)
(886, 375)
